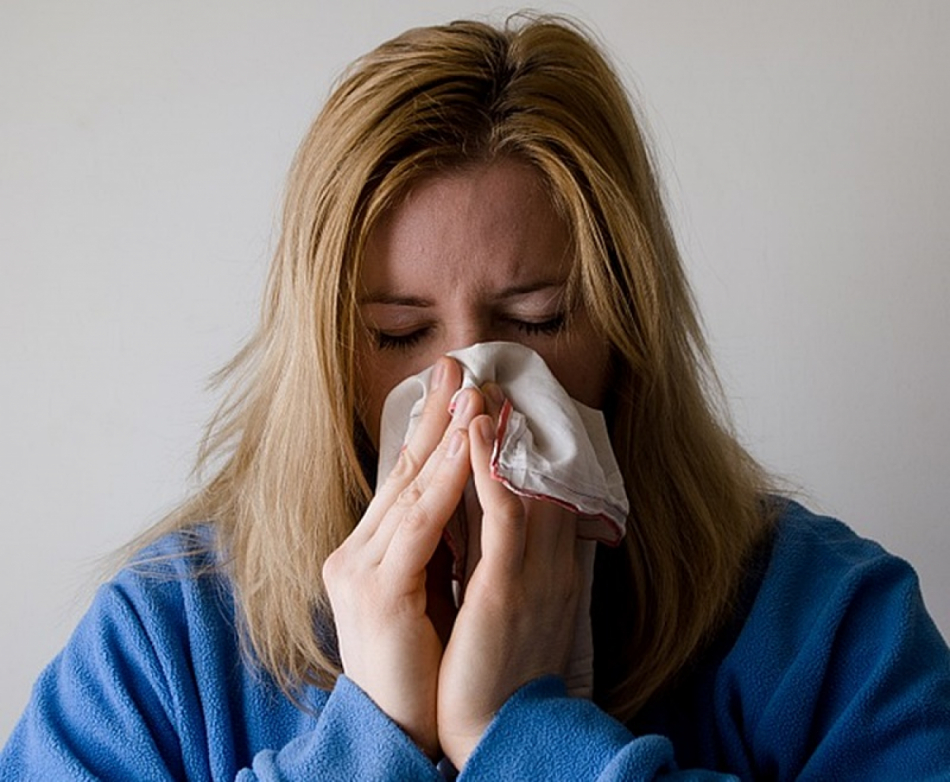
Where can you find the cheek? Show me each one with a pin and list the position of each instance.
(372, 386)
(581, 362)
(583, 372)
(378, 373)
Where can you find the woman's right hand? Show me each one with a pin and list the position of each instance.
(376, 580)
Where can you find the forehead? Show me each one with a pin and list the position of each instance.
(487, 222)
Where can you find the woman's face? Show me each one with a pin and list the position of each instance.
(472, 256)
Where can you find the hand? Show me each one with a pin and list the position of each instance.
(376, 580)
(511, 627)
(579, 676)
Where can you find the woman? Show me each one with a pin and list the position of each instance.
(466, 184)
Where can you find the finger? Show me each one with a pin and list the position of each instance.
(579, 676)
(494, 399)
(443, 382)
(503, 518)
(473, 532)
(422, 510)
(468, 403)
(550, 534)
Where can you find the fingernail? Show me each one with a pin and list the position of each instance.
(494, 393)
(455, 443)
(460, 403)
(486, 429)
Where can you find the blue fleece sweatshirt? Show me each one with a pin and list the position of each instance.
(834, 671)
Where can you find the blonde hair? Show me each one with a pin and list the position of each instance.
(291, 484)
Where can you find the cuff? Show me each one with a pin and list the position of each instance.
(541, 733)
(353, 739)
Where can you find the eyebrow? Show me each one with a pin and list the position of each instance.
(511, 292)
(393, 298)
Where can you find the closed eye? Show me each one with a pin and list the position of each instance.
(534, 328)
(387, 341)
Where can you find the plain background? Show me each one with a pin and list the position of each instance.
(143, 146)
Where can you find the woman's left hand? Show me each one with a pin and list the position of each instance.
(517, 619)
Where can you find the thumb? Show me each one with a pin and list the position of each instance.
(579, 677)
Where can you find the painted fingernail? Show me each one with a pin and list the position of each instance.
(455, 443)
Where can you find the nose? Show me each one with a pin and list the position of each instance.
(466, 330)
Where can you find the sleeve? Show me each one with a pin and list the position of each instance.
(353, 739)
(99, 710)
(541, 733)
(855, 682)
(107, 709)
(837, 673)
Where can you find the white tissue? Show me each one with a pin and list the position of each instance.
(548, 446)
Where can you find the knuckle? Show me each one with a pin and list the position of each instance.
(409, 498)
(434, 407)
(407, 466)
(417, 518)
(413, 512)
(333, 567)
